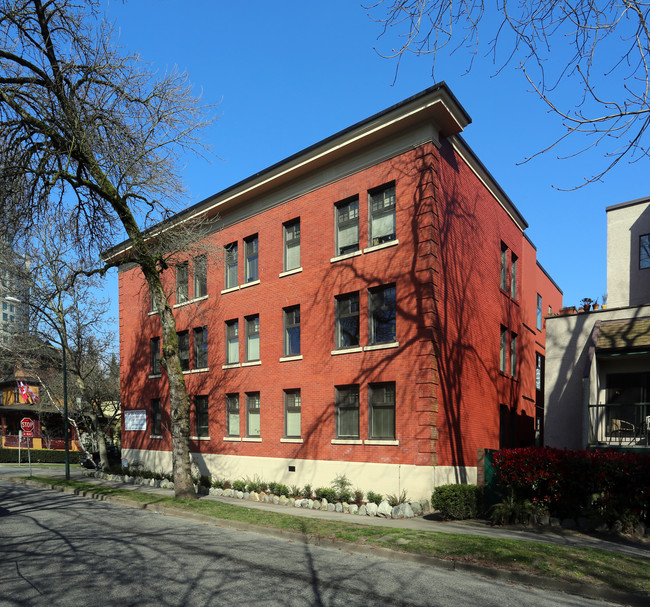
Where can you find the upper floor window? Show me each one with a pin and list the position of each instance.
(347, 320)
(539, 312)
(504, 267)
(201, 416)
(644, 251)
(184, 350)
(251, 252)
(253, 338)
(513, 276)
(232, 342)
(382, 215)
(503, 351)
(253, 414)
(200, 276)
(292, 245)
(201, 348)
(292, 413)
(382, 410)
(182, 278)
(513, 354)
(231, 265)
(347, 411)
(232, 413)
(292, 331)
(383, 314)
(347, 226)
(155, 356)
(156, 417)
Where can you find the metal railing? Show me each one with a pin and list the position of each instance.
(620, 425)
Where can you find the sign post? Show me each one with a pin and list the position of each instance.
(26, 430)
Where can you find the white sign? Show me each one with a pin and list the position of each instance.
(135, 420)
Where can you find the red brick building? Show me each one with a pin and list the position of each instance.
(369, 306)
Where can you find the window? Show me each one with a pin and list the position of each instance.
(347, 411)
(292, 413)
(347, 320)
(184, 349)
(250, 245)
(539, 312)
(504, 267)
(253, 338)
(382, 410)
(513, 276)
(154, 308)
(231, 265)
(503, 356)
(200, 276)
(156, 417)
(292, 331)
(232, 410)
(347, 227)
(253, 414)
(155, 356)
(201, 417)
(182, 293)
(539, 366)
(513, 354)
(201, 348)
(644, 251)
(382, 215)
(382, 314)
(292, 245)
(232, 342)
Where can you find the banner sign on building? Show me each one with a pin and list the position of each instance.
(135, 420)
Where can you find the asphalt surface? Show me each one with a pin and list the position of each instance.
(621, 545)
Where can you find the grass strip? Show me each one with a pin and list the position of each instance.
(584, 565)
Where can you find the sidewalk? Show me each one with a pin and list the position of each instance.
(563, 537)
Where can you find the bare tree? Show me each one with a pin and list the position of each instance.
(96, 135)
(589, 62)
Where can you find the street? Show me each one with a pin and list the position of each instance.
(59, 549)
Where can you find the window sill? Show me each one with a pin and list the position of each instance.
(201, 370)
(290, 272)
(251, 439)
(351, 441)
(286, 359)
(346, 256)
(252, 283)
(231, 366)
(186, 371)
(156, 436)
(252, 363)
(392, 344)
(188, 302)
(155, 376)
(232, 439)
(383, 245)
(292, 440)
(346, 351)
(379, 441)
(152, 313)
(199, 438)
(230, 290)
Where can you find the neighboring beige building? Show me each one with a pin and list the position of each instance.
(597, 382)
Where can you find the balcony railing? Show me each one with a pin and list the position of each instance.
(619, 425)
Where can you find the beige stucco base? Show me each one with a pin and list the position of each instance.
(387, 479)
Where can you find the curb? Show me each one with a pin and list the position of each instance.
(519, 577)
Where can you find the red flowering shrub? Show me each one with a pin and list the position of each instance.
(564, 483)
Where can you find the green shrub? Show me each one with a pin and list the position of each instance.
(327, 493)
(458, 501)
(38, 456)
(511, 510)
(279, 489)
(396, 500)
(307, 491)
(253, 486)
(345, 496)
(239, 485)
(375, 498)
(204, 481)
(295, 491)
(217, 483)
(358, 497)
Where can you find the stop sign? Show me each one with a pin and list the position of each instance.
(27, 426)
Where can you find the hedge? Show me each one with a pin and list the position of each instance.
(38, 456)
(458, 501)
(605, 484)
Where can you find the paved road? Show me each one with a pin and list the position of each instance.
(60, 549)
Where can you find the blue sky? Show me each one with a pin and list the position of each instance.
(288, 74)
